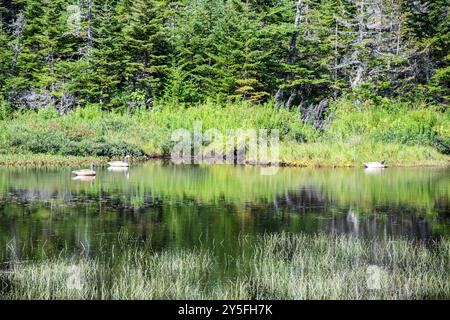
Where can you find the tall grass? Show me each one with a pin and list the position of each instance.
(280, 266)
(356, 133)
(290, 266)
(349, 154)
(390, 123)
(42, 159)
(132, 274)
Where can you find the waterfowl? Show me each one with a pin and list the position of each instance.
(375, 164)
(85, 172)
(123, 163)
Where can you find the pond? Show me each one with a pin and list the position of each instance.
(44, 211)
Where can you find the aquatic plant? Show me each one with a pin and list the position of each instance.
(280, 266)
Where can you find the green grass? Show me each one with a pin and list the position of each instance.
(280, 266)
(31, 159)
(351, 154)
(290, 266)
(357, 133)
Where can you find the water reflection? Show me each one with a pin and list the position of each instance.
(84, 178)
(374, 170)
(187, 206)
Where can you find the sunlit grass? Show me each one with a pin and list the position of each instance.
(34, 160)
(290, 266)
(348, 154)
(399, 135)
(280, 266)
(133, 274)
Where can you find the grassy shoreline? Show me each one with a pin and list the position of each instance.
(355, 134)
(49, 160)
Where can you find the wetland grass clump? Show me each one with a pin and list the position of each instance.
(278, 266)
(287, 266)
(164, 275)
(134, 274)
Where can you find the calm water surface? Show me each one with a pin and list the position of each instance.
(44, 211)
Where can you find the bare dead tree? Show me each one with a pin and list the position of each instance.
(18, 26)
(86, 17)
(292, 51)
(356, 56)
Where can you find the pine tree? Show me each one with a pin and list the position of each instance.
(34, 80)
(73, 68)
(194, 48)
(301, 52)
(307, 55)
(239, 46)
(144, 43)
(5, 51)
(429, 25)
(105, 57)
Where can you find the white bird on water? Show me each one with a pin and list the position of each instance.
(85, 172)
(375, 164)
(120, 164)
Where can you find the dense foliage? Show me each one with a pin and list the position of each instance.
(390, 132)
(123, 53)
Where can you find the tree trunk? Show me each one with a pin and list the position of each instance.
(357, 79)
(279, 96)
(19, 26)
(89, 17)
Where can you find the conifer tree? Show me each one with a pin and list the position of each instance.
(115, 53)
(37, 40)
(194, 47)
(5, 51)
(105, 56)
(428, 24)
(245, 43)
(144, 43)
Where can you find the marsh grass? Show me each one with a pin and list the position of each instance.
(290, 266)
(351, 154)
(135, 274)
(279, 266)
(36, 160)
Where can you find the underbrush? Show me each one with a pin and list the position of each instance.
(397, 134)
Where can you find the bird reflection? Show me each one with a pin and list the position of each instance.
(120, 169)
(374, 170)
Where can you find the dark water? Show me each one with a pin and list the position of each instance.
(45, 210)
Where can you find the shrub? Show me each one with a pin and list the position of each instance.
(5, 109)
(354, 127)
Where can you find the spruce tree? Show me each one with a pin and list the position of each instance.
(145, 48)
(5, 51)
(34, 80)
(105, 57)
(239, 46)
(194, 48)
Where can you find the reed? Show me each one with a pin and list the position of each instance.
(279, 266)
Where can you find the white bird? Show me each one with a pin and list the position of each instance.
(123, 163)
(85, 172)
(375, 164)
